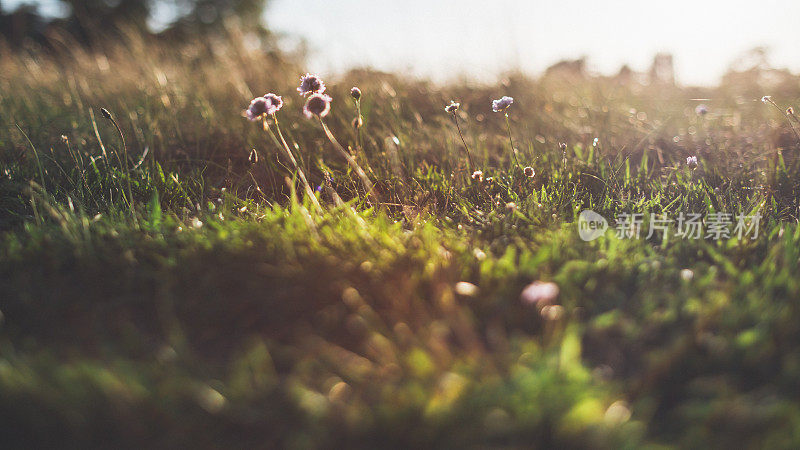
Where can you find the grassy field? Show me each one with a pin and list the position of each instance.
(181, 290)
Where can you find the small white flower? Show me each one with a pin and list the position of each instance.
(452, 107)
(539, 292)
(466, 289)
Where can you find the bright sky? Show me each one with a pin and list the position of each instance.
(483, 38)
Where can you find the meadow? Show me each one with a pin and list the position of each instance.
(167, 281)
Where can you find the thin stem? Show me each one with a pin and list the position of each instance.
(464, 141)
(788, 117)
(510, 139)
(107, 114)
(359, 140)
(125, 155)
(360, 122)
(35, 154)
(350, 160)
(300, 173)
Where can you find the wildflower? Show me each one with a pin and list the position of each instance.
(355, 93)
(691, 161)
(562, 146)
(274, 103)
(311, 84)
(477, 176)
(452, 107)
(511, 207)
(258, 107)
(317, 105)
(595, 142)
(687, 275)
(529, 172)
(539, 292)
(502, 104)
(701, 110)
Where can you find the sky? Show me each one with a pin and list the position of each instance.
(483, 38)
(441, 39)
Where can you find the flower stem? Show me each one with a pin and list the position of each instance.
(360, 122)
(788, 117)
(300, 173)
(350, 160)
(359, 138)
(511, 140)
(466, 147)
(124, 166)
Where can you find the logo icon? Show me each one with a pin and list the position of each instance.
(591, 225)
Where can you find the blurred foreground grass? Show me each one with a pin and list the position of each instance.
(226, 311)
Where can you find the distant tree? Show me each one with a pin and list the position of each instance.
(100, 20)
(662, 71)
(91, 18)
(23, 24)
(200, 15)
(205, 16)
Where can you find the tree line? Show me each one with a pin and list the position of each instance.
(92, 20)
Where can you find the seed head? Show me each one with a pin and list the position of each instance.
(790, 111)
(311, 84)
(502, 104)
(355, 93)
(317, 105)
(562, 146)
(766, 99)
(511, 207)
(106, 114)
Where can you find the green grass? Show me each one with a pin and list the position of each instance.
(194, 297)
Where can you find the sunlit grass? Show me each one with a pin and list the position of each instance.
(184, 288)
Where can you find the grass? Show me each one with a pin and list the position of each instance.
(180, 289)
